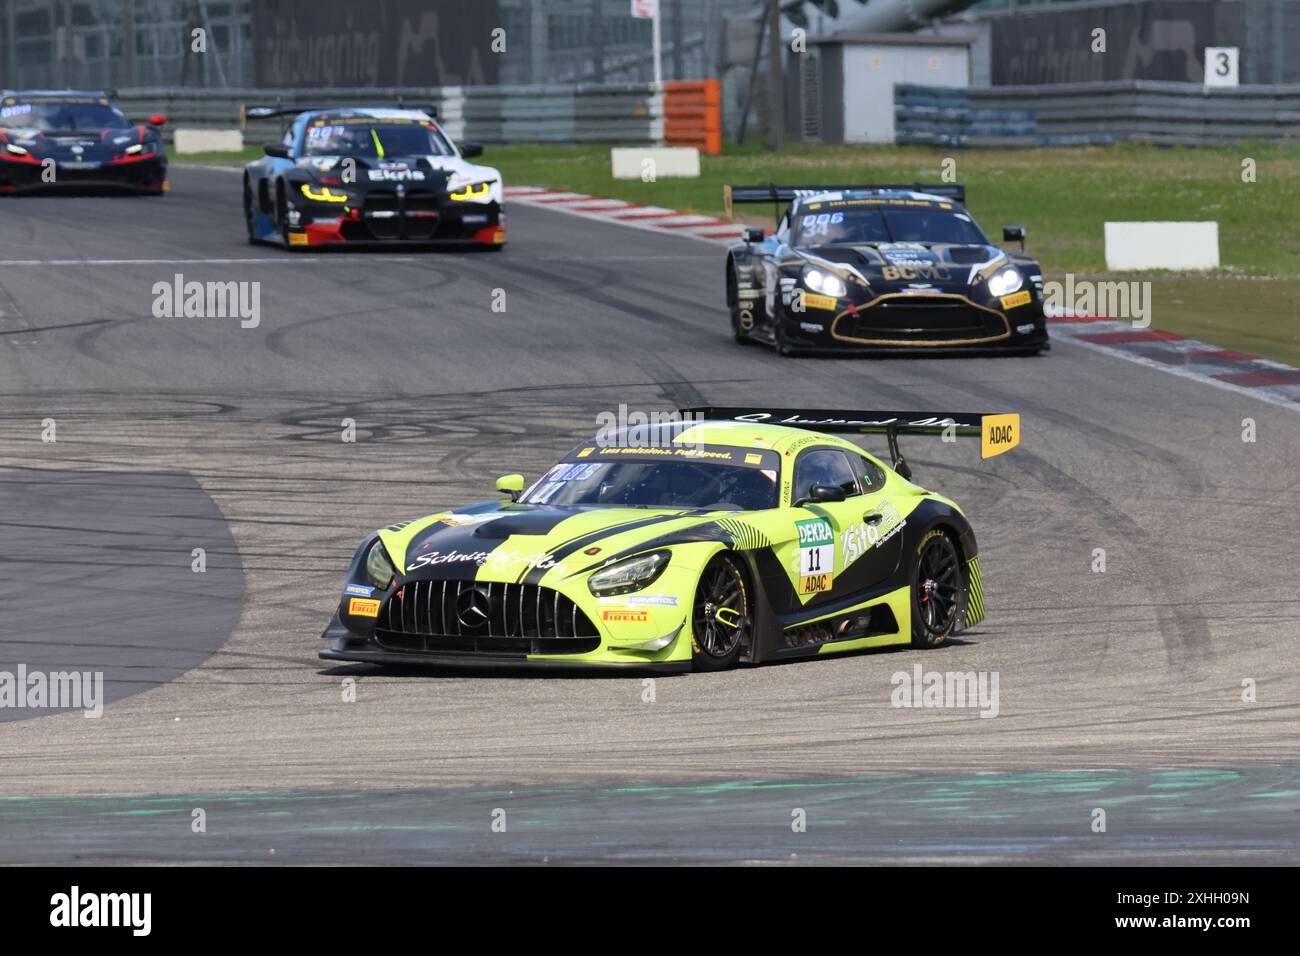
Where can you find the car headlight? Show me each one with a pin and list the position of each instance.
(1006, 281)
(474, 192)
(630, 575)
(379, 570)
(323, 194)
(16, 150)
(827, 283)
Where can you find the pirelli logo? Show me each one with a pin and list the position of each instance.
(363, 607)
(811, 300)
(625, 617)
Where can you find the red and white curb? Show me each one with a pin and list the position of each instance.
(1170, 352)
(651, 218)
(1263, 379)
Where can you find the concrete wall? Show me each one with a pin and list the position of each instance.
(869, 72)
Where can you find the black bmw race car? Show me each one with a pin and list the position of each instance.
(362, 175)
(60, 139)
(880, 269)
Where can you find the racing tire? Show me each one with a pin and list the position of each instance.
(281, 220)
(783, 347)
(721, 617)
(248, 214)
(733, 307)
(936, 583)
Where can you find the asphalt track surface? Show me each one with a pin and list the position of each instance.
(1119, 690)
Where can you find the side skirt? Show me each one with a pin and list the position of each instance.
(879, 621)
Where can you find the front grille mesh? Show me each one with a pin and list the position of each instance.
(438, 615)
(412, 215)
(920, 319)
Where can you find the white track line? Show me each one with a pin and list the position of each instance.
(288, 260)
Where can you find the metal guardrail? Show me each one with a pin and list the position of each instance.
(945, 116)
(606, 113)
(1065, 114)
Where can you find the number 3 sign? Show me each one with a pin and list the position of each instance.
(1221, 65)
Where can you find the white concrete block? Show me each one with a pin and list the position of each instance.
(643, 162)
(208, 141)
(1162, 245)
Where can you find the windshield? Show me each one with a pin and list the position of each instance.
(863, 226)
(374, 138)
(657, 484)
(62, 114)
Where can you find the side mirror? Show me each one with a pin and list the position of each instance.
(278, 150)
(822, 493)
(754, 235)
(512, 485)
(158, 119)
(470, 150)
(1014, 234)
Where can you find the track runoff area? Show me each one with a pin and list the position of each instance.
(1142, 646)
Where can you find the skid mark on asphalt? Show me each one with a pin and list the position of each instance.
(14, 326)
(276, 341)
(1184, 816)
(269, 260)
(262, 713)
(1184, 630)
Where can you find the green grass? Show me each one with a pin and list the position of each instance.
(1062, 196)
(1256, 317)
(224, 159)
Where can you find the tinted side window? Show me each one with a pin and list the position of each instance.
(823, 466)
(870, 475)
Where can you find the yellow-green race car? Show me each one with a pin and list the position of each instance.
(724, 535)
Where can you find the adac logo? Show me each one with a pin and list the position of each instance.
(999, 433)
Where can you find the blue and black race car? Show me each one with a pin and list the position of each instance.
(881, 269)
(61, 139)
(358, 176)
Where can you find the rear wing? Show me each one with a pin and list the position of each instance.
(283, 113)
(998, 433)
(783, 194)
(248, 111)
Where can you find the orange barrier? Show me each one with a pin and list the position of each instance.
(693, 114)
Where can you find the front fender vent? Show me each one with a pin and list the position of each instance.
(974, 594)
(745, 537)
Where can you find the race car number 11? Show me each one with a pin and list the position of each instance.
(816, 555)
